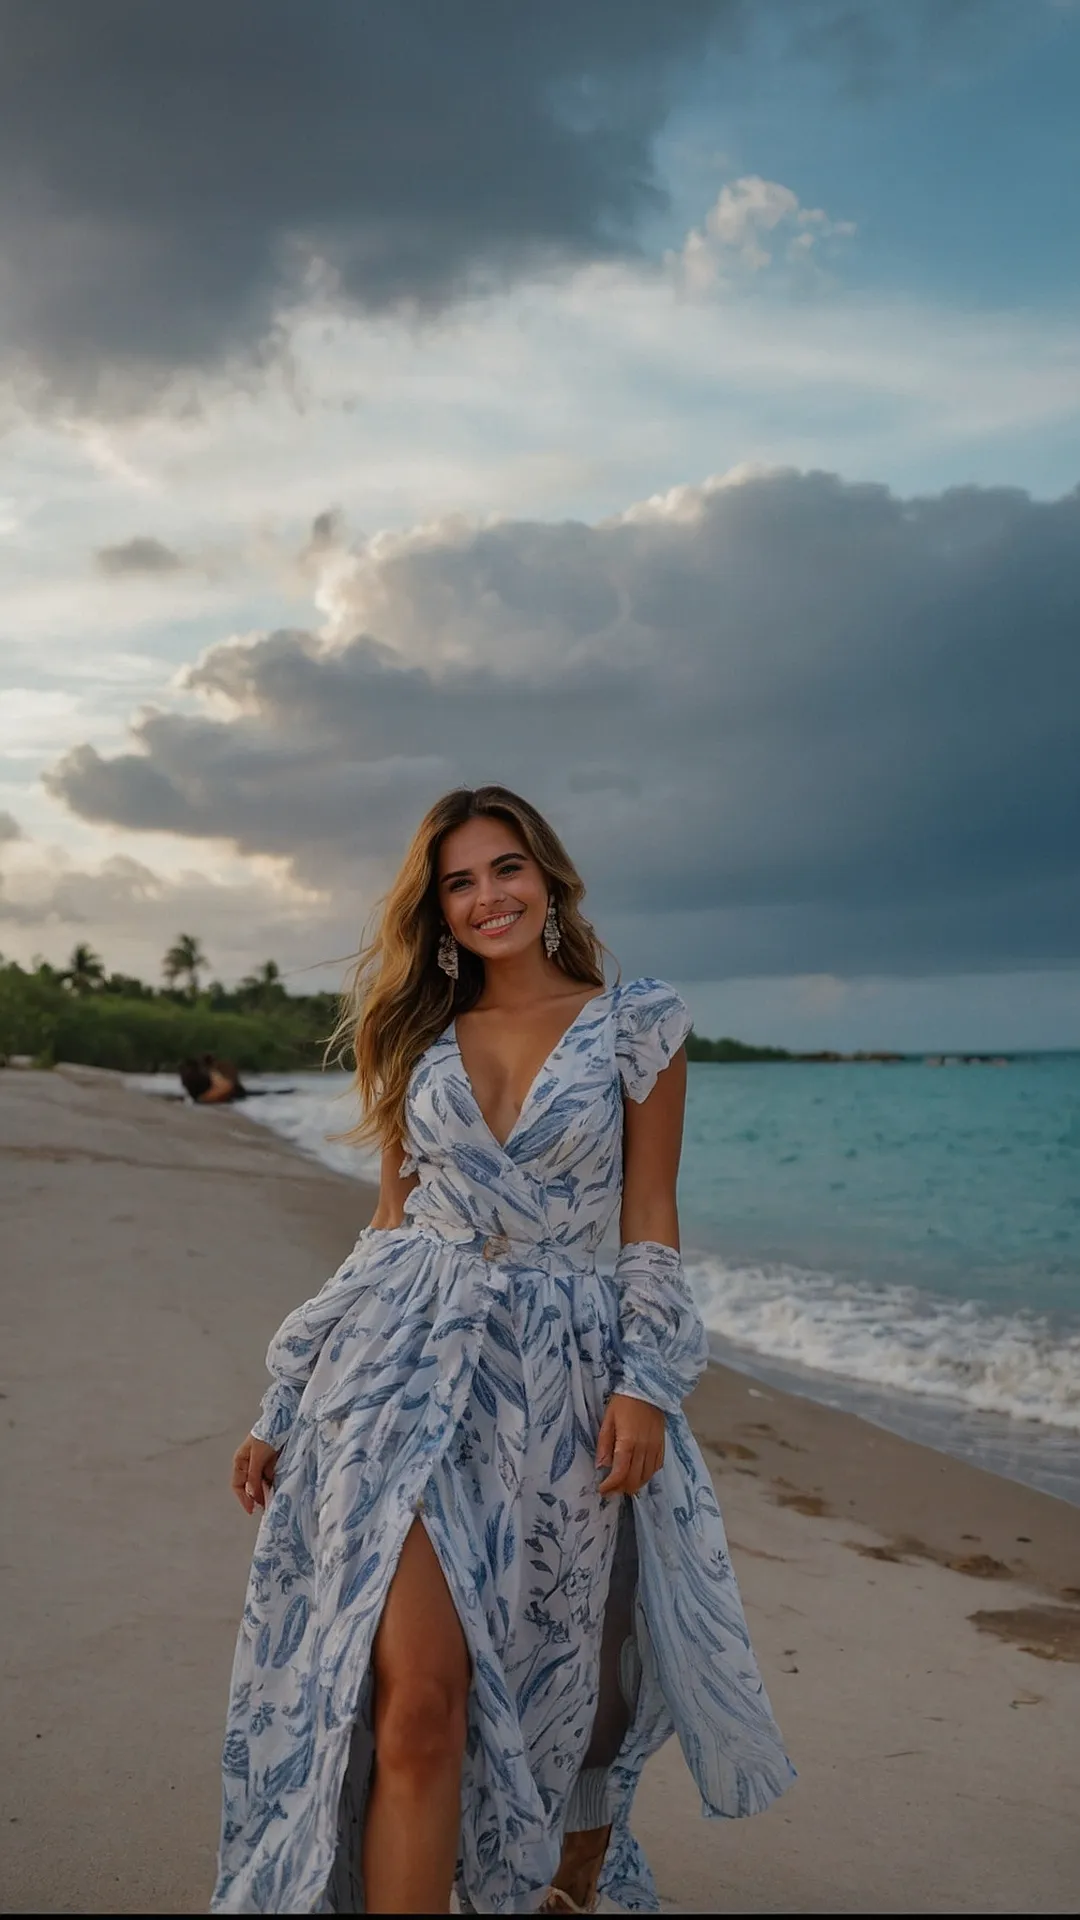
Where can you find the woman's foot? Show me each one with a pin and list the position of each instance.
(574, 1888)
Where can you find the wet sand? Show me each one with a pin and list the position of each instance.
(917, 1620)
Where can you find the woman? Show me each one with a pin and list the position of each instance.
(459, 1645)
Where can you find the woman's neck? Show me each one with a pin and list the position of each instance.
(522, 980)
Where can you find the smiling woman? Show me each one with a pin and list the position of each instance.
(459, 1646)
(485, 877)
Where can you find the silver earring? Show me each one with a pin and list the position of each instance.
(447, 955)
(552, 931)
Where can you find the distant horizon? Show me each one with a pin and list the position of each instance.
(713, 1034)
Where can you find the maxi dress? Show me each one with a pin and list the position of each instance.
(456, 1370)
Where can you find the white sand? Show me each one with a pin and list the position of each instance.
(148, 1253)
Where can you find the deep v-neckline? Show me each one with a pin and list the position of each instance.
(538, 1076)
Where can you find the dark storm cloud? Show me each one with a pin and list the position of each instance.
(787, 725)
(142, 554)
(170, 171)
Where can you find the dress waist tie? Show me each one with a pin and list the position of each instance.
(503, 1250)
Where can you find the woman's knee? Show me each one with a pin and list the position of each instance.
(419, 1724)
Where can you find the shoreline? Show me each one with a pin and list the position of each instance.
(1028, 1453)
(1008, 1440)
(151, 1249)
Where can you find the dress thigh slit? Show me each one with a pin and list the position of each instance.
(345, 1889)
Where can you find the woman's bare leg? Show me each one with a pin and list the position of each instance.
(421, 1671)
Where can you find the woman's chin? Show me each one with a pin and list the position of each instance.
(502, 946)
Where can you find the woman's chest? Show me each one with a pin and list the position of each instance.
(504, 1057)
(572, 1101)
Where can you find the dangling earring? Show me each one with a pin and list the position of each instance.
(552, 931)
(447, 955)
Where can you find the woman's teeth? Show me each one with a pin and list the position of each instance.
(497, 922)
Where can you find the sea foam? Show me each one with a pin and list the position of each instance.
(894, 1337)
(953, 1352)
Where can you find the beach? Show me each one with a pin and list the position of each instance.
(916, 1618)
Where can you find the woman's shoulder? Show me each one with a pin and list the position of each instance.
(644, 999)
(643, 987)
(652, 1021)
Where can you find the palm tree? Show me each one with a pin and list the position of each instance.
(185, 960)
(263, 987)
(84, 971)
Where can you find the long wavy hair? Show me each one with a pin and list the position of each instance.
(398, 1000)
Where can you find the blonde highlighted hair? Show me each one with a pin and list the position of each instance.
(398, 1001)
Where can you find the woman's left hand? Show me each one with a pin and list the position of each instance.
(253, 1472)
(631, 1443)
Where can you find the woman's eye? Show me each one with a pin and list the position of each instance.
(455, 886)
(505, 872)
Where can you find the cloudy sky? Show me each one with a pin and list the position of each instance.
(669, 409)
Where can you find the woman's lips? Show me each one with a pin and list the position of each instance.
(498, 924)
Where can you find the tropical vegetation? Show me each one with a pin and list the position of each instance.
(87, 1014)
(731, 1051)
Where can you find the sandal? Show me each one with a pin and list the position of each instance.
(581, 1865)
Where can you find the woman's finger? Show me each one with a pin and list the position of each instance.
(640, 1471)
(605, 1440)
(623, 1460)
(253, 1473)
(240, 1482)
(629, 1479)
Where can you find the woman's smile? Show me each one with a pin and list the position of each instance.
(497, 923)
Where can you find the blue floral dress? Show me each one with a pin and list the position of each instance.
(457, 1368)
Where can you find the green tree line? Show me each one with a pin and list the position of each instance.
(730, 1051)
(87, 1014)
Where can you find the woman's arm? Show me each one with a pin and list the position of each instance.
(652, 1143)
(663, 1341)
(394, 1189)
(299, 1340)
(631, 1439)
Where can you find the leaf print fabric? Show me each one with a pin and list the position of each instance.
(663, 1342)
(458, 1368)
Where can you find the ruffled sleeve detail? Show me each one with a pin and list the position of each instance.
(651, 1023)
(299, 1341)
(664, 1346)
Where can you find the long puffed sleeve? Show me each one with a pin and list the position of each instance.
(299, 1340)
(663, 1339)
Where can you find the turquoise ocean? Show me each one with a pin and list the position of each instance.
(902, 1241)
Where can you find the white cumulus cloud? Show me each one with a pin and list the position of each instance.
(753, 224)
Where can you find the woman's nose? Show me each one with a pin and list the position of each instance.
(491, 895)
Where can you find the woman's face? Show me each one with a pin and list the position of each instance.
(493, 895)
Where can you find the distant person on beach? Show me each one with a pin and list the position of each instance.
(461, 1640)
(210, 1081)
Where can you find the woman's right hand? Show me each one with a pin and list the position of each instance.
(253, 1472)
